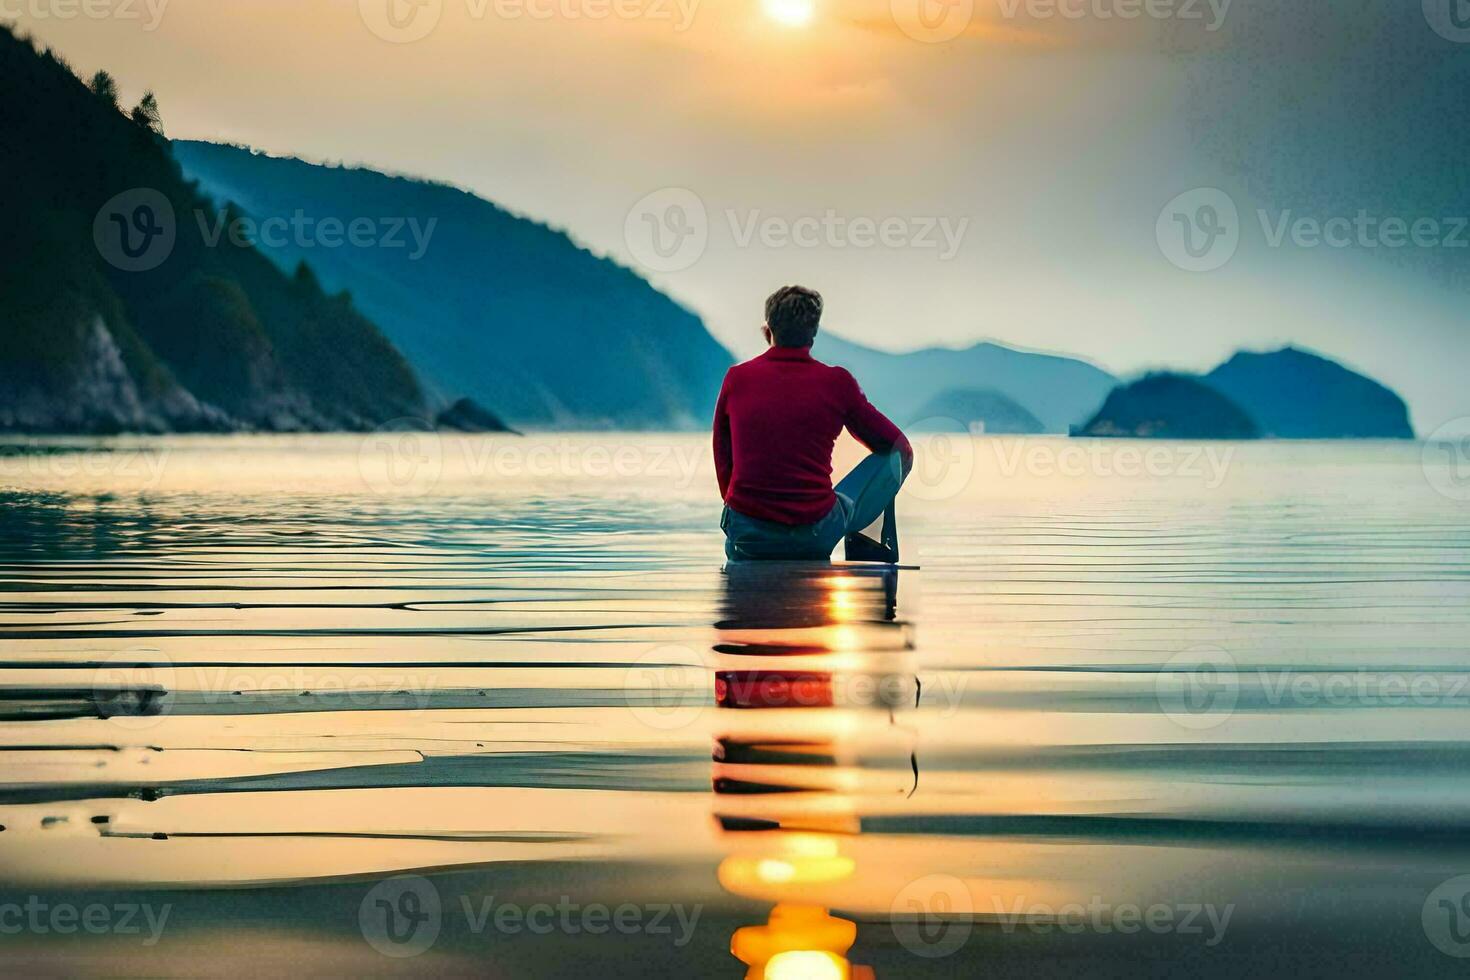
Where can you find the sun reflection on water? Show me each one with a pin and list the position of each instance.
(787, 804)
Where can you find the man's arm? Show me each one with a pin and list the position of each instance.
(724, 462)
(872, 428)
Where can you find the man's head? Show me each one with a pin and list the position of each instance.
(793, 314)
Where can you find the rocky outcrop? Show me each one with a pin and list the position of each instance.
(467, 415)
(101, 396)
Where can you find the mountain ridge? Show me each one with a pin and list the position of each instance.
(1058, 390)
(502, 308)
(116, 315)
(1296, 393)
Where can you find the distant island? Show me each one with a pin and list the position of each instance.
(1283, 394)
(1295, 394)
(977, 410)
(1170, 406)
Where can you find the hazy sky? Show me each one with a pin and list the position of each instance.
(960, 170)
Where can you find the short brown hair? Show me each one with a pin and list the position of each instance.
(793, 313)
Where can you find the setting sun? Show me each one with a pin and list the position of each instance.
(792, 13)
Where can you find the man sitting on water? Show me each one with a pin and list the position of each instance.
(776, 422)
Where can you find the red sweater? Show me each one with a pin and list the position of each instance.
(776, 421)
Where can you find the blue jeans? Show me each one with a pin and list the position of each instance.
(864, 495)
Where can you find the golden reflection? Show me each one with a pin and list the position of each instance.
(746, 875)
(796, 941)
(789, 769)
(841, 604)
(806, 964)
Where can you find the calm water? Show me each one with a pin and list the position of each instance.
(1127, 708)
